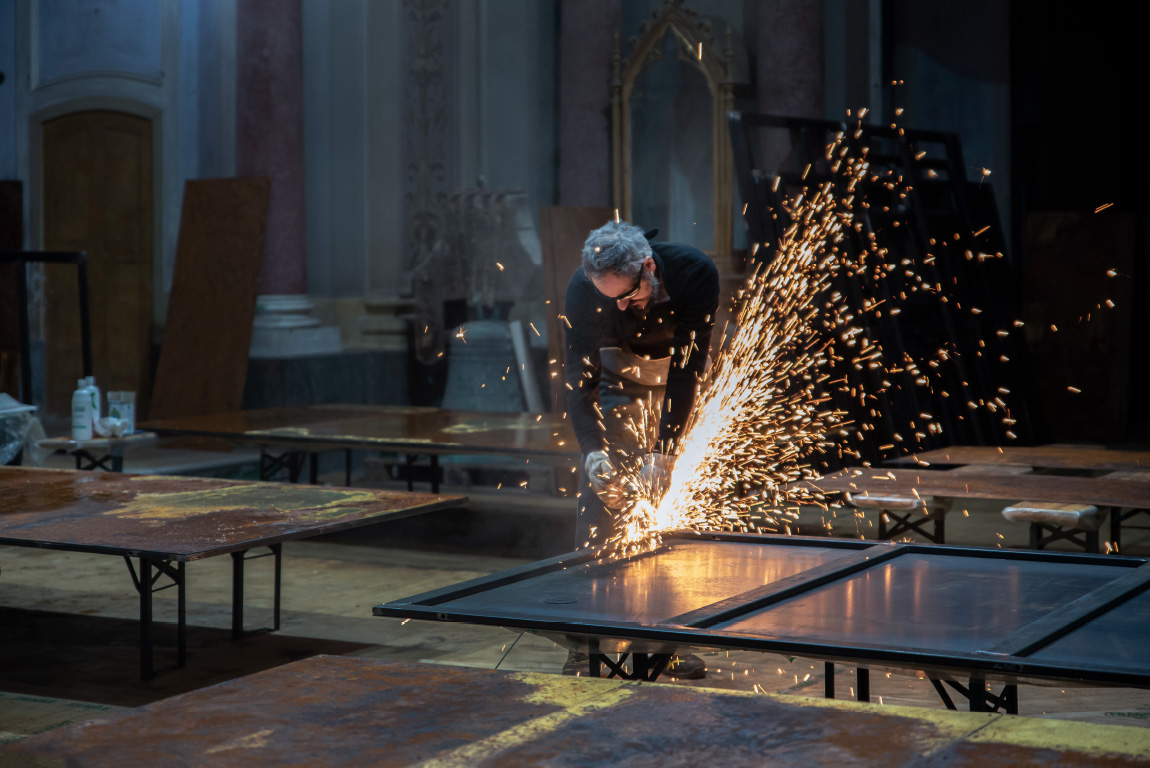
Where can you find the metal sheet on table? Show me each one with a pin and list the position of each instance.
(1119, 637)
(182, 517)
(684, 576)
(397, 427)
(930, 602)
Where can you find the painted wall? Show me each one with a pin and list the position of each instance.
(405, 97)
(163, 59)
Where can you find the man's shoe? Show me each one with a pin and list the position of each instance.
(686, 667)
(577, 663)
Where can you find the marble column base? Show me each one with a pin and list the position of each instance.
(283, 327)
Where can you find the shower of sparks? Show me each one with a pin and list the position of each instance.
(765, 414)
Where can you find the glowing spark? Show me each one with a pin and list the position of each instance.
(1103, 207)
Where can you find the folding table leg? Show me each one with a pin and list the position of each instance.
(145, 589)
(238, 559)
(863, 675)
(829, 679)
(277, 552)
(435, 473)
(181, 617)
(238, 594)
(977, 695)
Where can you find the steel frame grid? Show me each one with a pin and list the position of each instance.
(1008, 661)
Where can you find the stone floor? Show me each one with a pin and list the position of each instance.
(68, 628)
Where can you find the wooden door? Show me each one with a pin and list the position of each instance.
(97, 182)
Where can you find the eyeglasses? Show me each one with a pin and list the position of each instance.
(629, 294)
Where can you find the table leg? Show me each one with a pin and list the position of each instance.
(347, 467)
(313, 468)
(977, 695)
(829, 679)
(435, 473)
(145, 589)
(181, 617)
(593, 657)
(863, 675)
(277, 552)
(238, 594)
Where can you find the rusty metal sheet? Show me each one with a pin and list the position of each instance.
(405, 428)
(359, 712)
(931, 482)
(183, 518)
(1040, 456)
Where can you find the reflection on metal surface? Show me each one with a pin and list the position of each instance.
(1117, 637)
(682, 576)
(920, 601)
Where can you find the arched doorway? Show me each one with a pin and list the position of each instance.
(97, 180)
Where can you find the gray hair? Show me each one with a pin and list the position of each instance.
(616, 247)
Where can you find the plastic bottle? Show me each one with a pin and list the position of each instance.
(122, 405)
(82, 411)
(97, 407)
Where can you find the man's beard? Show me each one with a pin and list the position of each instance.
(653, 283)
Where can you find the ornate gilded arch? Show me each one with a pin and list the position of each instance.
(696, 47)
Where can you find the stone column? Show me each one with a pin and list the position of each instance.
(586, 40)
(790, 70)
(269, 143)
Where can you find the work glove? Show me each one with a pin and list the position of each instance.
(600, 471)
(656, 473)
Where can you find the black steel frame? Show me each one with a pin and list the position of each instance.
(1088, 540)
(293, 460)
(150, 571)
(907, 523)
(80, 259)
(113, 461)
(1009, 661)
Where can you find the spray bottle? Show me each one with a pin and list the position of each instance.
(82, 411)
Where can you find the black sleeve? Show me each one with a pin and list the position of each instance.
(583, 331)
(695, 321)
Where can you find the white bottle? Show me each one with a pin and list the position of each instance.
(94, 391)
(82, 411)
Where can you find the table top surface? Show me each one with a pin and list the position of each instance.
(1039, 456)
(333, 710)
(409, 428)
(68, 444)
(1101, 491)
(183, 518)
(905, 605)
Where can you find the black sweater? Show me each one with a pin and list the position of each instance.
(692, 283)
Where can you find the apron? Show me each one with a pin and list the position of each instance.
(631, 389)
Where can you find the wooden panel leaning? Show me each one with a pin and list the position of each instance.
(562, 231)
(204, 358)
